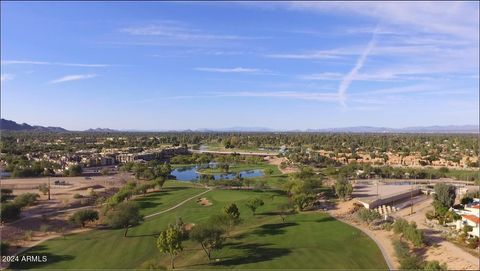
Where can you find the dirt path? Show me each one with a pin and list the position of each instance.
(443, 251)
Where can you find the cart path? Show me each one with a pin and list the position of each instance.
(178, 205)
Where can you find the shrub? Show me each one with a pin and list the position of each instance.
(81, 217)
(367, 215)
(472, 242)
(409, 231)
(27, 199)
(407, 260)
(429, 215)
(9, 211)
(44, 228)
(77, 196)
(434, 265)
(28, 235)
(4, 248)
(400, 225)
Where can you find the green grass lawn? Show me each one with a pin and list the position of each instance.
(235, 168)
(307, 240)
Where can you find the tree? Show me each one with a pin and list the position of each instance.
(343, 188)
(284, 210)
(232, 211)
(303, 201)
(124, 215)
(170, 242)
(444, 195)
(159, 182)
(209, 236)
(254, 203)
(233, 217)
(80, 217)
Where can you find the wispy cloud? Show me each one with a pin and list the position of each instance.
(231, 70)
(73, 77)
(347, 80)
(30, 62)
(178, 31)
(6, 77)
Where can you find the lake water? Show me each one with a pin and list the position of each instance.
(190, 173)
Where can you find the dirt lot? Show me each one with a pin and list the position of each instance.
(278, 160)
(49, 217)
(443, 251)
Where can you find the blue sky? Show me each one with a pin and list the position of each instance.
(181, 65)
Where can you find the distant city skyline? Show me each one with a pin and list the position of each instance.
(284, 66)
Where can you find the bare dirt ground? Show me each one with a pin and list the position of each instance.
(278, 160)
(49, 217)
(442, 250)
(204, 202)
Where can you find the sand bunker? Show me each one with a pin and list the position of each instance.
(189, 226)
(204, 202)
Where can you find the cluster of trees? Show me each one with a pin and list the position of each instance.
(130, 189)
(74, 170)
(302, 188)
(366, 171)
(410, 261)
(152, 170)
(195, 158)
(409, 231)
(443, 199)
(11, 210)
(210, 235)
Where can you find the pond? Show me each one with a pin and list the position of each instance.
(190, 173)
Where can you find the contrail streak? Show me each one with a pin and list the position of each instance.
(342, 89)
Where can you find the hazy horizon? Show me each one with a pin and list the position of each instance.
(283, 66)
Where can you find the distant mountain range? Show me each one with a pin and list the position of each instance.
(13, 126)
(9, 125)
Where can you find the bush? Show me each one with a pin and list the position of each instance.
(472, 242)
(434, 265)
(4, 248)
(9, 211)
(27, 199)
(81, 217)
(400, 225)
(367, 215)
(407, 260)
(429, 215)
(77, 196)
(409, 231)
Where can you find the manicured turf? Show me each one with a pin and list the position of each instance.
(307, 240)
(234, 168)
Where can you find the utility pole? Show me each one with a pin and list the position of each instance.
(49, 187)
